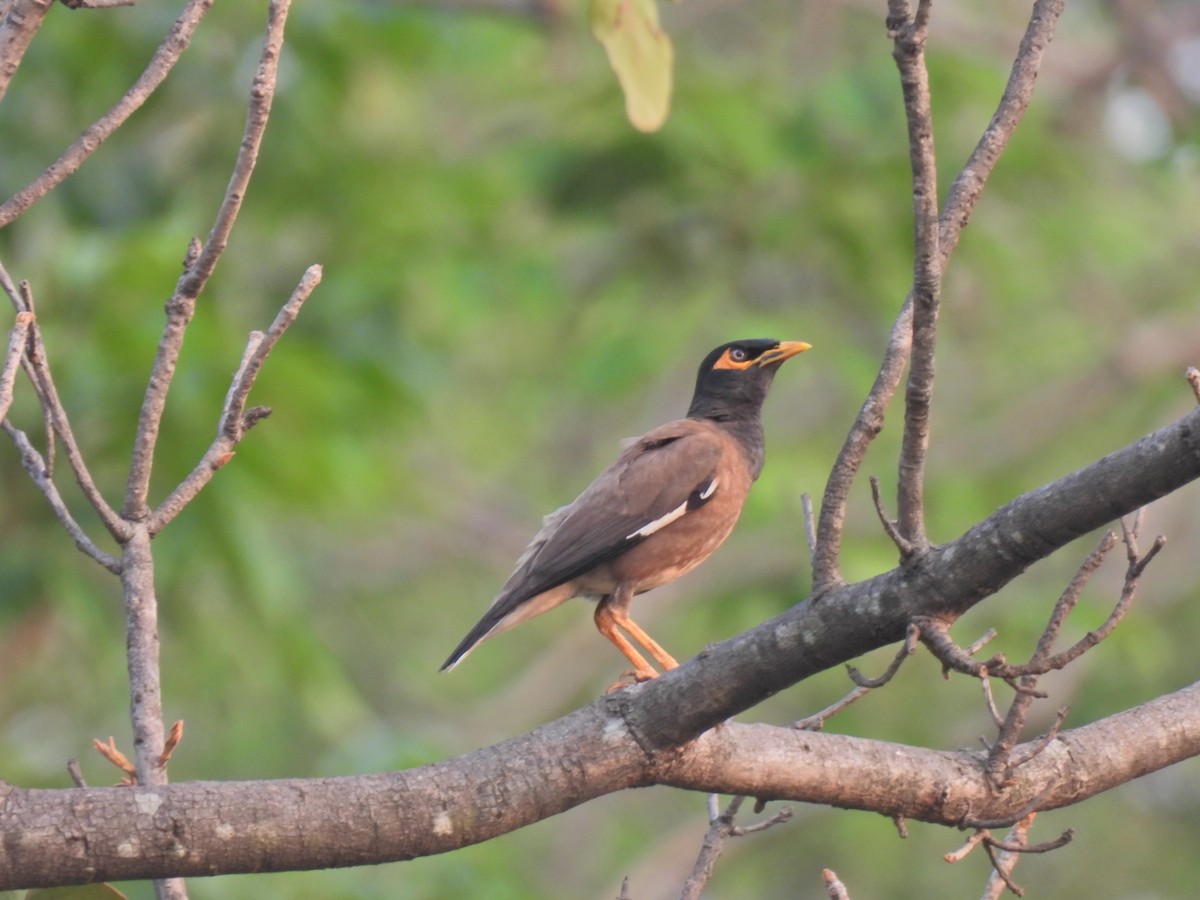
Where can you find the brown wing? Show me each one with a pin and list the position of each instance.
(657, 479)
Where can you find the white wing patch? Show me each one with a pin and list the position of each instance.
(661, 522)
(678, 512)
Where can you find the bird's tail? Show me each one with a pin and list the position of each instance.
(506, 611)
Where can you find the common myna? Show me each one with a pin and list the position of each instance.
(660, 510)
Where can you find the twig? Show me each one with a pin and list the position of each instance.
(39, 372)
(110, 752)
(76, 773)
(889, 525)
(174, 736)
(97, 4)
(21, 23)
(35, 465)
(912, 635)
(972, 842)
(164, 59)
(1002, 871)
(1193, 377)
(956, 212)
(909, 32)
(968, 186)
(12, 359)
(817, 720)
(1037, 749)
(998, 766)
(181, 306)
(863, 685)
(1094, 637)
(235, 418)
(721, 827)
(810, 523)
(867, 424)
(833, 885)
(989, 701)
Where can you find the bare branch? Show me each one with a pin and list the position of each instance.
(905, 546)
(909, 33)
(181, 306)
(21, 23)
(863, 686)
(235, 418)
(868, 423)
(810, 523)
(97, 4)
(12, 359)
(57, 415)
(721, 827)
(999, 766)
(968, 186)
(35, 465)
(161, 63)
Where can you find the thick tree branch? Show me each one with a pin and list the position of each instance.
(636, 736)
(208, 828)
(840, 624)
(76, 155)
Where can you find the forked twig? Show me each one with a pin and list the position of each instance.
(235, 418)
(863, 685)
(181, 306)
(956, 212)
(35, 466)
(38, 369)
(722, 827)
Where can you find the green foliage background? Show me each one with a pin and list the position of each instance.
(515, 280)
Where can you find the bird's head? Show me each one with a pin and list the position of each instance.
(733, 379)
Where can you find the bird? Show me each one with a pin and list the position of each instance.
(671, 498)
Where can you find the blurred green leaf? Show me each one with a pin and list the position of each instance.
(640, 53)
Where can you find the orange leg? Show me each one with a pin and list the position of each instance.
(606, 623)
(612, 613)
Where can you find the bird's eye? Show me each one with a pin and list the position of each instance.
(737, 354)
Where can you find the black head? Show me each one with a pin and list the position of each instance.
(733, 379)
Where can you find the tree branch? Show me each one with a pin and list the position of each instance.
(235, 418)
(72, 835)
(76, 155)
(909, 31)
(38, 368)
(636, 736)
(21, 23)
(182, 305)
(12, 359)
(956, 212)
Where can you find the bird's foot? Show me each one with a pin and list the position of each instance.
(631, 677)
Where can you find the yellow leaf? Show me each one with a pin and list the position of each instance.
(640, 53)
